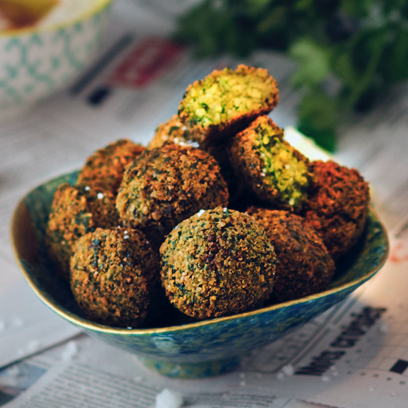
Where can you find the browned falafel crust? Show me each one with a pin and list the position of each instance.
(304, 264)
(218, 262)
(225, 101)
(105, 167)
(115, 276)
(337, 206)
(75, 212)
(166, 185)
(172, 131)
(272, 169)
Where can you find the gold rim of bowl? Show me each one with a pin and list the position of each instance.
(79, 321)
(99, 6)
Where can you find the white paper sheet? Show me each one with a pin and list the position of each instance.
(62, 131)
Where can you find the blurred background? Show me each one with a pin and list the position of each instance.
(348, 53)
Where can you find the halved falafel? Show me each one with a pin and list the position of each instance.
(275, 171)
(225, 101)
(304, 264)
(217, 262)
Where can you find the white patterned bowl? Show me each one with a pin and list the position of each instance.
(38, 61)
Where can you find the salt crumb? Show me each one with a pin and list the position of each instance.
(242, 383)
(384, 328)
(138, 379)
(288, 370)
(32, 346)
(13, 371)
(100, 196)
(280, 376)
(325, 378)
(126, 236)
(69, 351)
(200, 213)
(225, 209)
(169, 399)
(18, 322)
(87, 188)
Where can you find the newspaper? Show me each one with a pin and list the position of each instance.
(304, 367)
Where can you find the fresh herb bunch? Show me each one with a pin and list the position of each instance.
(361, 45)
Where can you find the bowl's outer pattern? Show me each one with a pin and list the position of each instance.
(206, 348)
(35, 64)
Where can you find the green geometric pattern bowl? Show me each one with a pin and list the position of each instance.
(36, 62)
(191, 350)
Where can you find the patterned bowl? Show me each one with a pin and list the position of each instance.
(191, 350)
(38, 61)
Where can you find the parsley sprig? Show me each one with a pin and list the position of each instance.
(361, 46)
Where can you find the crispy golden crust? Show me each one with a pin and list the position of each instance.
(304, 264)
(105, 167)
(171, 131)
(275, 171)
(166, 185)
(225, 101)
(115, 276)
(337, 206)
(217, 262)
(74, 213)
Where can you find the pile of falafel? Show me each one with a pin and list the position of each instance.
(218, 215)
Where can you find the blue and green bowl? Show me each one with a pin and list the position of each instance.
(193, 350)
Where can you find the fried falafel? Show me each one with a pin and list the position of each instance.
(337, 206)
(105, 167)
(75, 211)
(274, 170)
(171, 131)
(217, 262)
(166, 185)
(304, 264)
(115, 276)
(225, 101)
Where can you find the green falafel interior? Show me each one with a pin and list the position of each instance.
(283, 168)
(224, 94)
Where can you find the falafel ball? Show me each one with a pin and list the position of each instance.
(166, 185)
(217, 262)
(75, 211)
(275, 171)
(115, 276)
(225, 101)
(304, 264)
(171, 131)
(105, 167)
(337, 206)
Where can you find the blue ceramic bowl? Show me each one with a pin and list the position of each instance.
(191, 350)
